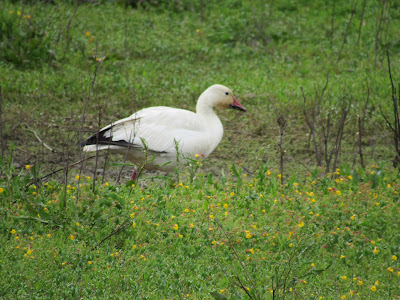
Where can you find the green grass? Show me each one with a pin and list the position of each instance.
(297, 240)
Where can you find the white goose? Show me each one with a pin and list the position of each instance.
(161, 128)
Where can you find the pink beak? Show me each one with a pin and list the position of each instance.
(236, 105)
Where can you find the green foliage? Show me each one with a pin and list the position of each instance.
(326, 237)
(24, 41)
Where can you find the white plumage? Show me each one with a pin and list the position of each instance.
(161, 128)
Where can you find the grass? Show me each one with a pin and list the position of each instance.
(318, 235)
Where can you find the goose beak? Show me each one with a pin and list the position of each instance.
(236, 105)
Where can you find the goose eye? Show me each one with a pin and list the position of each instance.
(226, 93)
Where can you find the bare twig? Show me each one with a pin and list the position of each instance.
(40, 140)
(123, 226)
(378, 24)
(59, 170)
(69, 24)
(346, 33)
(396, 127)
(333, 20)
(361, 22)
(237, 256)
(361, 121)
(97, 153)
(282, 123)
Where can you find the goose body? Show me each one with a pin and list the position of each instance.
(163, 130)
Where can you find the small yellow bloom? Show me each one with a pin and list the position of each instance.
(342, 256)
(290, 245)
(133, 224)
(352, 217)
(90, 262)
(301, 224)
(226, 205)
(222, 291)
(232, 194)
(10, 11)
(134, 247)
(88, 33)
(77, 177)
(1, 190)
(181, 236)
(390, 269)
(64, 263)
(344, 277)
(376, 250)
(18, 13)
(344, 297)
(48, 235)
(176, 227)
(360, 282)
(191, 225)
(251, 251)
(29, 252)
(132, 215)
(27, 166)
(13, 231)
(373, 288)
(338, 193)
(394, 257)
(312, 265)
(186, 210)
(72, 237)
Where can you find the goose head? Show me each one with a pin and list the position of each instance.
(219, 97)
